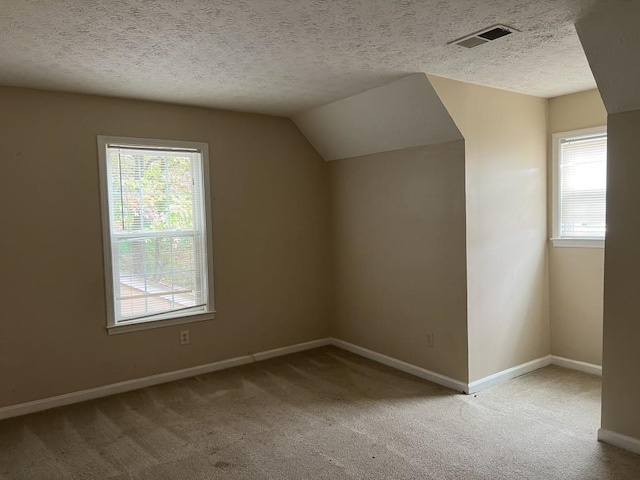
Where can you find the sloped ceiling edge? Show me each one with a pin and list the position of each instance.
(405, 113)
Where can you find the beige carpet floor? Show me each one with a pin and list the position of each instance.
(323, 414)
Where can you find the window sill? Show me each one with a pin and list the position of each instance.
(149, 324)
(577, 242)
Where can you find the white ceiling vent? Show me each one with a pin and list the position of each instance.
(484, 36)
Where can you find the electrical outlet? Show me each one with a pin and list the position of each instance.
(429, 339)
(184, 337)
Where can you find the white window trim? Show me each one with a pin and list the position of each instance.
(168, 319)
(577, 242)
(556, 240)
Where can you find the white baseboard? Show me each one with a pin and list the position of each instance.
(137, 383)
(478, 385)
(508, 374)
(400, 365)
(619, 440)
(288, 350)
(585, 367)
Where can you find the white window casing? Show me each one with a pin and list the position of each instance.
(157, 231)
(579, 188)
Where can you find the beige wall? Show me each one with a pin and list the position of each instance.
(505, 135)
(270, 215)
(576, 275)
(620, 384)
(392, 226)
(399, 246)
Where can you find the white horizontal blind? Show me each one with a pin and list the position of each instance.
(158, 234)
(583, 186)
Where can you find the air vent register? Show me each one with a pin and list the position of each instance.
(484, 36)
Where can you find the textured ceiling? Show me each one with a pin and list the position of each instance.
(283, 56)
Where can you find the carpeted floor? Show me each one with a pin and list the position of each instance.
(323, 414)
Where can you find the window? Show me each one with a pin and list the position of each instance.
(580, 187)
(157, 232)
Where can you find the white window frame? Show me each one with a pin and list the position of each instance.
(556, 239)
(170, 318)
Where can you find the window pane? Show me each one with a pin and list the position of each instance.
(157, 231)
(152, 191)
(583, 182)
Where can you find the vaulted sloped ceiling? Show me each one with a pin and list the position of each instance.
(611, 39)
(405, 113)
